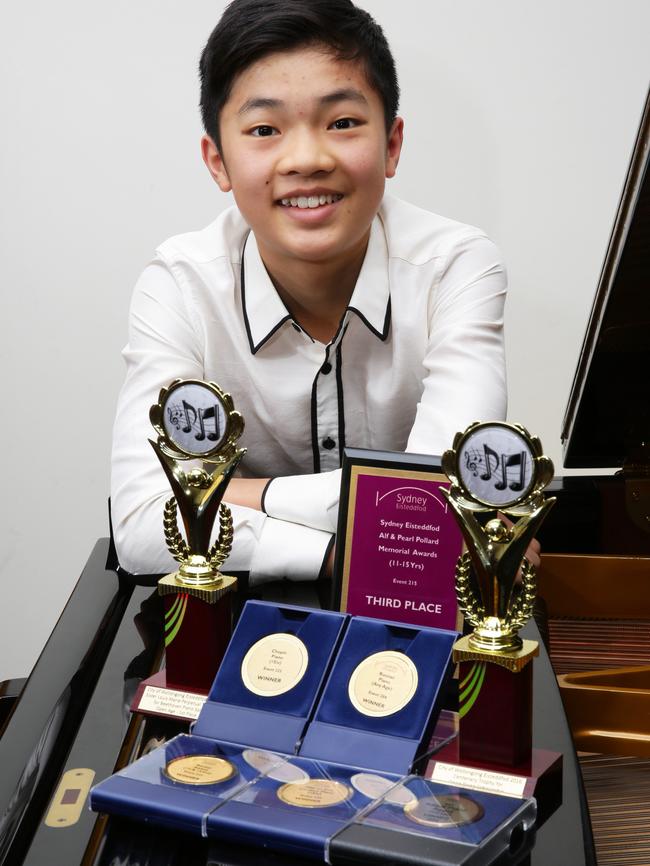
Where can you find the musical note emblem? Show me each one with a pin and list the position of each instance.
(503, 469)
(188, 419)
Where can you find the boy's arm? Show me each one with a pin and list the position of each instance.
(465, 377)
(164, 345)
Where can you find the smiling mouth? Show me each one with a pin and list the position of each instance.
(312, 201)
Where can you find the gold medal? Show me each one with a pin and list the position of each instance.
(383, 683)
(314, 794)
(445, 810)
(199, 770)
(274, 665)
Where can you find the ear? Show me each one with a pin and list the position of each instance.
(214, 161)
(394, 146)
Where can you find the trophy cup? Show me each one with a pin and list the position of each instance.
(498, 474)
(195, 421)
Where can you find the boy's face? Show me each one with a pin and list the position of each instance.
(303, 128)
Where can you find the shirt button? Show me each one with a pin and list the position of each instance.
(326, 368)
(328, 443)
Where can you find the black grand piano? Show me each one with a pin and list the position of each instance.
(596, 585)
(69, 724)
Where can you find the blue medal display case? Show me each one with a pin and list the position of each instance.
(297, 807)
(313, 724)
(431, 823)
(234, 713)
(344, 732)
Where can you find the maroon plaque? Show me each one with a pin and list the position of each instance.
(398, 542)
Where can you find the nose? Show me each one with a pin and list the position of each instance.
(306, 152)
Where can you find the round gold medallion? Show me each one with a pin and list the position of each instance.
(445, 810)
(383, 683)
(274, 664)
(314, 794)
(199, 770)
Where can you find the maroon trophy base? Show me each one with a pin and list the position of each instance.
(198, 625)
(496, 722)
(493, 750)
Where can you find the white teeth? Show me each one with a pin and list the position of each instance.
(312, 201)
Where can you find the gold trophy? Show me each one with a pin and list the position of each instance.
(196, 421)
(498, 474)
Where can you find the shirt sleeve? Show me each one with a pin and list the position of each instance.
(464, 380)
(465, 372)
(163, 345)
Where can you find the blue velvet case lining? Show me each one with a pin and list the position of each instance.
(392, 743)
(234, 713)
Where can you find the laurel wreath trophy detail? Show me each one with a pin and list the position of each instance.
(196, 423)
(498, 474)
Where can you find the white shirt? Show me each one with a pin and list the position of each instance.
(418, 356)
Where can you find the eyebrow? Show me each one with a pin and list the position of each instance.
(346, 94)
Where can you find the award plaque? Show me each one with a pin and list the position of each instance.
(498, 474)
(397, 540)
(197, 429)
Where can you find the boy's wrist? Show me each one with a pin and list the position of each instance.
(247, 492)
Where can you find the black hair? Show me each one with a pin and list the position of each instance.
(251, 29)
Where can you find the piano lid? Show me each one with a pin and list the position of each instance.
(608, 415)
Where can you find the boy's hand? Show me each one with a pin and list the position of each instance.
(246, 492)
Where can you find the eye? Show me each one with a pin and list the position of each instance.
(345, 123)
(263, 131)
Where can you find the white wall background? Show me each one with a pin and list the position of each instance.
(520, 118)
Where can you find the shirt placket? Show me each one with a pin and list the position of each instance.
(328, 407)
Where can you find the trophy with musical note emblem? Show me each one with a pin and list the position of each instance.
(197, 429)
(498, 474)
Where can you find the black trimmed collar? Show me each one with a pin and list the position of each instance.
(265, 312)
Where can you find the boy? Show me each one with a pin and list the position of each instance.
(332, 314)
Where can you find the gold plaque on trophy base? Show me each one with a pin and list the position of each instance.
(171, 585)
(515, 660)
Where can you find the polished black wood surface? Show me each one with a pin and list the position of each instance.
(73, 713)
(607, 420)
